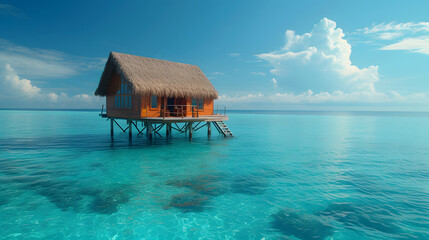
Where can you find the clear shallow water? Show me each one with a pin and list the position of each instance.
(298, 175)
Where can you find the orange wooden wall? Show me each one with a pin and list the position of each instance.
(147, 111)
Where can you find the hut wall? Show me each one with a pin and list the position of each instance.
(147, 110)
(134, 112)
(207, 109)
(112, 110)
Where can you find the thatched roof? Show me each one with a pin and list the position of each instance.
(148, 76)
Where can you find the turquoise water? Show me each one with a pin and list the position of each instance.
(286, 175)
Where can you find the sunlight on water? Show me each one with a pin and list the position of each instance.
(292, 176)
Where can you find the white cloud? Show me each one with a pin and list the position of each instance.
(393, 30)
(338, 97)
(258, 73)
(215, 75)
(234, 54)
(409, 36)
(418, 45)
(253, 61)
(274, 83)
(319, 60)
(248, 98)
(10, 10)
(53, 97)
(20, 92)
(42, 63)
(390, 35)
(315, 69)
(15, 84)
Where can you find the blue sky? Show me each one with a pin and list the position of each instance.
(323, 55)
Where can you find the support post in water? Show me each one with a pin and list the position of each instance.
(130, 130)
(209, 129)
(168, 130)
(149, 130)
(190, 130)
(111, 127)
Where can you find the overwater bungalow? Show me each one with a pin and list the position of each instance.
(158, 93)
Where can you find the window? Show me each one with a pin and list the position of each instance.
(123, 96)
(198, 103)
(154, 101)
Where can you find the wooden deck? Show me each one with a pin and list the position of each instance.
(206, 118)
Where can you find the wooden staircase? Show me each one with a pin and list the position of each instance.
(222, 128)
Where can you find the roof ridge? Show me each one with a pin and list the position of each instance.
(156, 59)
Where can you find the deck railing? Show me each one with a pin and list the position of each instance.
(181, 110)
(178, 110)
(218, 109)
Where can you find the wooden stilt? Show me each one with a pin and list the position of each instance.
(149, 130)
(111, 128)
(168, 129)
(130, 130)
(152, 127)
(190, 129)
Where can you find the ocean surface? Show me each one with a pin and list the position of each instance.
(285, 175)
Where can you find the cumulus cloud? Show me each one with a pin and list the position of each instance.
(20, 92)
(319, 60)
(315, 69)
(42, 63)
(21, 86)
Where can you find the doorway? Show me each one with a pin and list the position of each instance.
(170, 105)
